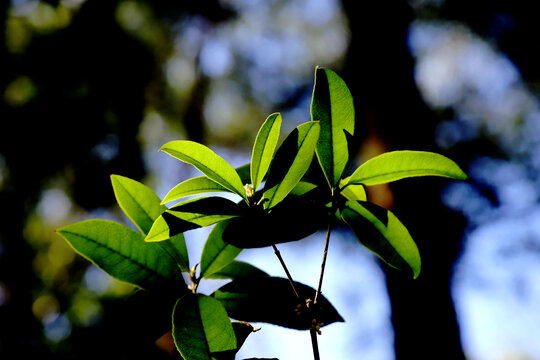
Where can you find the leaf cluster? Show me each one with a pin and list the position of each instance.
(280, 198)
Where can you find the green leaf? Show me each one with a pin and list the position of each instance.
(208, 162)
(332, 105)
(302, 188)
(290, 163)
(207, 210)
(353, 192)
(193, 186)
(141, 205)
(272, 300)
(396, 165)
(242, 330)
(122, 253)
(381, 232)
(244, 172)
(263, 150)
(159, 231)
(192, 214)
(216, 253)
(176, 247)
(201, 327)
(238, 270)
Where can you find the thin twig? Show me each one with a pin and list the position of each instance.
(314, 344)
(278, 254)
(323, 264)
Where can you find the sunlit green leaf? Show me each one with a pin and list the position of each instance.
(291, 161)
(140, 204)
(193, 186)
(265, 144)
(396, 165)
(242, 330)
(332, 105)
(238, 270)
(381, 232)
(143, 207)
(201, 327)
(121, 252)
(159, 231)
(245, 298)
(208, 162)
(216, 253)
(303, 187)
(176, 247)
(353, 192)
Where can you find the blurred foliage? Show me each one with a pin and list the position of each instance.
(90, 88)
(87, 86)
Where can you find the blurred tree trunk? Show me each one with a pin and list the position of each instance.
(379, 70)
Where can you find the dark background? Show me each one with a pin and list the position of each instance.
(88, 89)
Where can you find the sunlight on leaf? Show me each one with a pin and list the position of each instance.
(381, 232)
(193, 186)
(122, 252)
(208, 162)
(396, 165)
(263, 149)
(353, 192)
(291, 162)
(216, 253)
(140, 204)
(332, 105)
(201, 327)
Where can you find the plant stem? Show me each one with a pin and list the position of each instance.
(278, 254)
(313, 332)
(323, 264)
(314, 344)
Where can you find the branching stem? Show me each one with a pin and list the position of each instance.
(313, 331)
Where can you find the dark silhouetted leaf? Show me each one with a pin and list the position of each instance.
(291, 220)
(272, 300)
(238, 270)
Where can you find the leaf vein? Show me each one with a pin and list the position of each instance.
(111, 249)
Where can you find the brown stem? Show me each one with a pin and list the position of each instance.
(323, 264)
(314, 344)
(278, 254)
